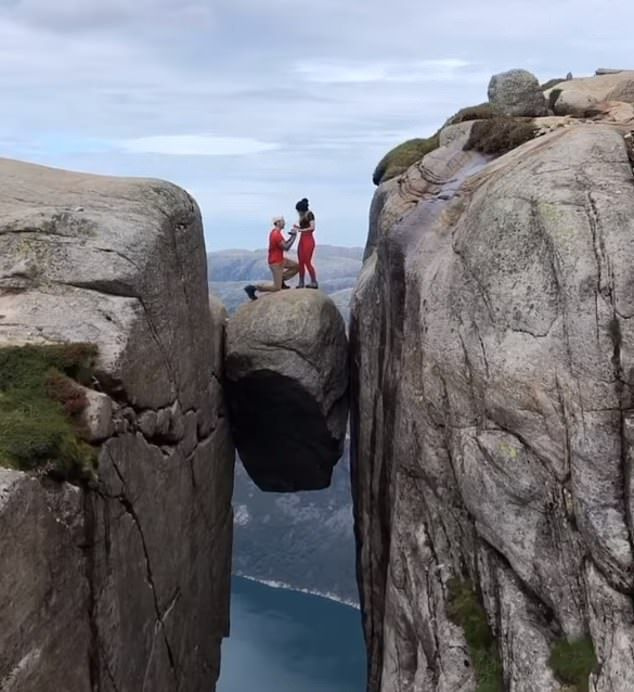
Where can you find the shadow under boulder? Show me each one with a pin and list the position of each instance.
(287, 382)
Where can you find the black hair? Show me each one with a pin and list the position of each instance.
(302, 205)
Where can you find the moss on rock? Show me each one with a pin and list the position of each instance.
(399, 159)
(40, 403)
(500, 134)
(572, 662)
(465, 610)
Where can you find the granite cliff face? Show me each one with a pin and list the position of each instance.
(492, 395)
(123, 586)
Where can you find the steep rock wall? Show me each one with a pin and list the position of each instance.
(124, 587)
(492, 379)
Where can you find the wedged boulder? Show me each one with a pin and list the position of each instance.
(123, 583)
(517, 93)
(286, 369)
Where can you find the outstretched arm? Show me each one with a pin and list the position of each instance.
(288, 243)
(310, 229)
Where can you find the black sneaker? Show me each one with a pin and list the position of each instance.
(299, 286)
(250, 291)
(285, 285)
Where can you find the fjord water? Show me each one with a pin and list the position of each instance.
(288, 641)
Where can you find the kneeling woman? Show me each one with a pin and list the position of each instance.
(306, 247)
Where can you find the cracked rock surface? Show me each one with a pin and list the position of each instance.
(492, 343)
(124, 587)
(287, 385)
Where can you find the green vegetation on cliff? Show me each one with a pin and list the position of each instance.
(399, 159)
(482, 111)
(465, 610)
(491, 134)
(40, 403)
(572, 662)
(500, 134)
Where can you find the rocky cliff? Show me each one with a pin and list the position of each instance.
(119, 582)
(287, 386)
(492, 395)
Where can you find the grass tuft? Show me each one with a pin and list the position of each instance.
(572, 662)
(399, 159)
(482, 111)
(500, 134)
(40, 404)
(465, 610)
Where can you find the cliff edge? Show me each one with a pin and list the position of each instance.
(119, 581)
(492, 390)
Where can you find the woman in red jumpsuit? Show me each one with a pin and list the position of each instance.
(306, 247)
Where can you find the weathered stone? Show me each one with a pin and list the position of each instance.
(45, 638)
(287, 383)
(190, 433)
(147, 423)
(176, 428)
(96, 418)
(624, 91)
(125, 588)
(517, 93)
(492, 365)
(458, 132)
(599, 87)
(163, 420)
(575, 103)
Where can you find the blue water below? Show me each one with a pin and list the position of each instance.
(285, 641)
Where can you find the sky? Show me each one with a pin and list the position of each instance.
(251, 105)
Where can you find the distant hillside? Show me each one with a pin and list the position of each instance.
(229, 271)
(305, 540)
(247, 265)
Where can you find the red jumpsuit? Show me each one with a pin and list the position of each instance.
(305, 249)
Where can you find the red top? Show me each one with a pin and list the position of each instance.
(276, 246)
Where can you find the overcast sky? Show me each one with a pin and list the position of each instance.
(253, 104)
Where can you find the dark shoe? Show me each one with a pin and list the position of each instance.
(299, 286)
(285, 285)
(315, 285)
(250, 291)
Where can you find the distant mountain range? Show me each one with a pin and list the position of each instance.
(304, 540)
(230, 270)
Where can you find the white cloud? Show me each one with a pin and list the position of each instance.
(344, 72)
(299, 98)
(195, 145)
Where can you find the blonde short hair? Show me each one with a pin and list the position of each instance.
(278, 219)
